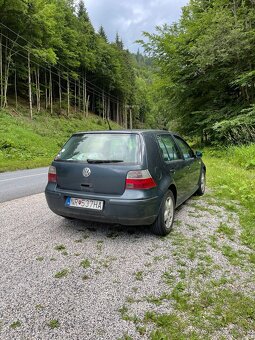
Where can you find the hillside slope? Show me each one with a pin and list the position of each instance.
(28, 144)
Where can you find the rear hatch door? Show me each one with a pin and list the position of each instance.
(98, 162)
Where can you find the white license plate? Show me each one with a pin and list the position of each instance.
(84, 203)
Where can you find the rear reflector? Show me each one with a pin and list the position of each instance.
(52, 174)
(140, 179)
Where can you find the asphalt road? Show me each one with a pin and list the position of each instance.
(22, 183)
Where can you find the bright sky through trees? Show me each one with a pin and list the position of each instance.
(131, 18)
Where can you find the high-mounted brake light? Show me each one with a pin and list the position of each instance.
(140, 179)
(52, 174)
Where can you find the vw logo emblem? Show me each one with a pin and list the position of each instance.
(86, 172)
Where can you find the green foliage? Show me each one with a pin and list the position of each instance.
(231, 175)
(85, 263)
(27, 144)
(59, 34)
(206, 71)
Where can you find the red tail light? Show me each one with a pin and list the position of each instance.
(52, 174)
(140, 179)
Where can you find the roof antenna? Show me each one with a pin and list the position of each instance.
(108, 124)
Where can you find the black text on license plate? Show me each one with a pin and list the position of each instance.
(84, 203)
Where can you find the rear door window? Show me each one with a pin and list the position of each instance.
(186, 150)
(102, 147)
(168, 149)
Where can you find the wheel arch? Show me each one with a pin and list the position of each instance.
(172, 187)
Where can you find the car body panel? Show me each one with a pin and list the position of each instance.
(107, 183)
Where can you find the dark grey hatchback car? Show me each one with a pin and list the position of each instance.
(124, 177)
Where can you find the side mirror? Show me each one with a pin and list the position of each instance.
(199, 154)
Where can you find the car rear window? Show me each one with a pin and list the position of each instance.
(102, 147)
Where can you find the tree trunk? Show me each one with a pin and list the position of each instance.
(37, 87)
(60, 91)
(75, 96)
(79, 95)
(103, 100)
(15, 86)
(117, 114)
(29, 86)
(131, 119)
(50, 94)
(93, 102)
(87, 107)
(6, 73)
(46, 91)
(1, 71)
(68, 96)
(108, 108)
(84, 98)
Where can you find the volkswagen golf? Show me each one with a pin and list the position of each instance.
(125, 177)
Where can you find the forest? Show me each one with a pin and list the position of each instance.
(196, 76)
(205, 82)
(52, 57)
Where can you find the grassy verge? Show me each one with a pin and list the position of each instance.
(29, 144)
(209, 284)
(231, 175)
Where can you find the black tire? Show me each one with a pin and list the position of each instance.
(202, 182)
(68, 218)
(162, 227)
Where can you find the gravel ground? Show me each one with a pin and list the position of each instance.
(122, 268)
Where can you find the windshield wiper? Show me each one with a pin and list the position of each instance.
(99, 161)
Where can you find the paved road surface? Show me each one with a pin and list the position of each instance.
(22, 183)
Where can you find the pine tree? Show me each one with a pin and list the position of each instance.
(102, 33)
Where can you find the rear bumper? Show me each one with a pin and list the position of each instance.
(117, 210)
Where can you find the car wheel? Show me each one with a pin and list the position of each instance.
(164, 222)
(67, 217)
(201, 190)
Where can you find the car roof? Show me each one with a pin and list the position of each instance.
(139, 131)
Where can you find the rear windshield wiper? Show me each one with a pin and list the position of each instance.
(99, 161)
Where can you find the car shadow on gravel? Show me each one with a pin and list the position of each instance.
(113, 230)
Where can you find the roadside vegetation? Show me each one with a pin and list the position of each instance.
(29, 144)
(231, 175)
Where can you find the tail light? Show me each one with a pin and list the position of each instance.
(140, 179)
(52, 174)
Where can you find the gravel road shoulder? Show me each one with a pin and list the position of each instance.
(64, 279)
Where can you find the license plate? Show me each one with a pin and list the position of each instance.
(84, 203)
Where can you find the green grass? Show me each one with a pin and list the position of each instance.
(225, 229)
(59, 247)
(230, 177)
(15, 324)
(53, 324)
(139, 276)
(27, 144)
(61, 274)
(85, 263)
